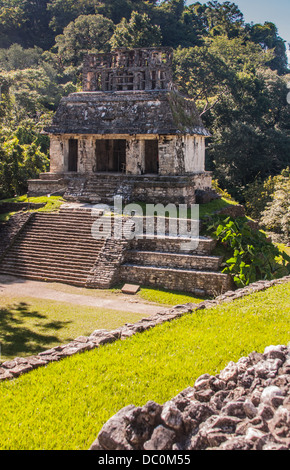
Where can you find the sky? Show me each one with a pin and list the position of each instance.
(259, 11)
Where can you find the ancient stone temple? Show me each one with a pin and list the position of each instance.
(129, 132)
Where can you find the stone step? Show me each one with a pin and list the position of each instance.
(34, 266)
(171, 260)
(44, 268)
(69, 224)
(167, 244)
(184, 280)
(71, 280)
(43, 252)
(63, 216)
(61, 235)
(49, 260)
(56, 247)
(68, 227)
(91, 243)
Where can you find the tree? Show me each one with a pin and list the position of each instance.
(169, 16)
(11, 20)
(276, 216)
(243, 104)
(137, 32)
(18, 58)
(25, 22)
(201, 75)
(221, 18)
(89, 33)
(267, 36)
(116, 10)
(18, 163)
(250, 128)
(64, 11)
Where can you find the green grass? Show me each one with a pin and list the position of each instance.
(29, 325)
(64, 405)
(165, 297)
(5, 217)
(52, 203)
(206, 210)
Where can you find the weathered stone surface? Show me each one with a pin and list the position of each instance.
(235, 418)
(9, 231)
(230, 373)
(112, 435)
(172, 417)
(161, 439)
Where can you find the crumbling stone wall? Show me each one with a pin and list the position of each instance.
(136, 69)
(11, 229)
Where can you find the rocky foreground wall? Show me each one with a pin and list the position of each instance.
(245, 407)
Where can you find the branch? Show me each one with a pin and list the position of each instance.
(205, 109)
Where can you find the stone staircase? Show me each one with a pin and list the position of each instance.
(164, 262)
(55, 247)
(59, 247)
(98, 189)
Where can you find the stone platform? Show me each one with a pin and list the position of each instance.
(102, 187)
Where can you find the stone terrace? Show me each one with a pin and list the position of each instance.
(59, 247)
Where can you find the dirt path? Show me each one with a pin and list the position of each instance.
(19, 287)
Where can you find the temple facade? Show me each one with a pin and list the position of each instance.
(129, 132)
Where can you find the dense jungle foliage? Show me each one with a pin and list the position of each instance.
(237, 73)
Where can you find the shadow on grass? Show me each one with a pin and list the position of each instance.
(21, 331)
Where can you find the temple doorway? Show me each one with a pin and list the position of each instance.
(73, 155)
(151, 156)
(111, 155)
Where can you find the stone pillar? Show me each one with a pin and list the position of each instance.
(58, 153)
(194, 154)
(170, 155)
(135, 157)
(86, 155)
(179, 156)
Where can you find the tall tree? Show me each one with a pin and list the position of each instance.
(267, 36)
(137, 32)
(220, 18)
(88, 33)
(243, 103)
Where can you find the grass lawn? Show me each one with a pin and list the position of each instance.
(64, 405)
(165, 297)
(30, 325)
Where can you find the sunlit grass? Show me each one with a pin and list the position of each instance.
(52, 203)
(165, 297)
(64, 405)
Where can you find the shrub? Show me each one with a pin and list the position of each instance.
(249, 255)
